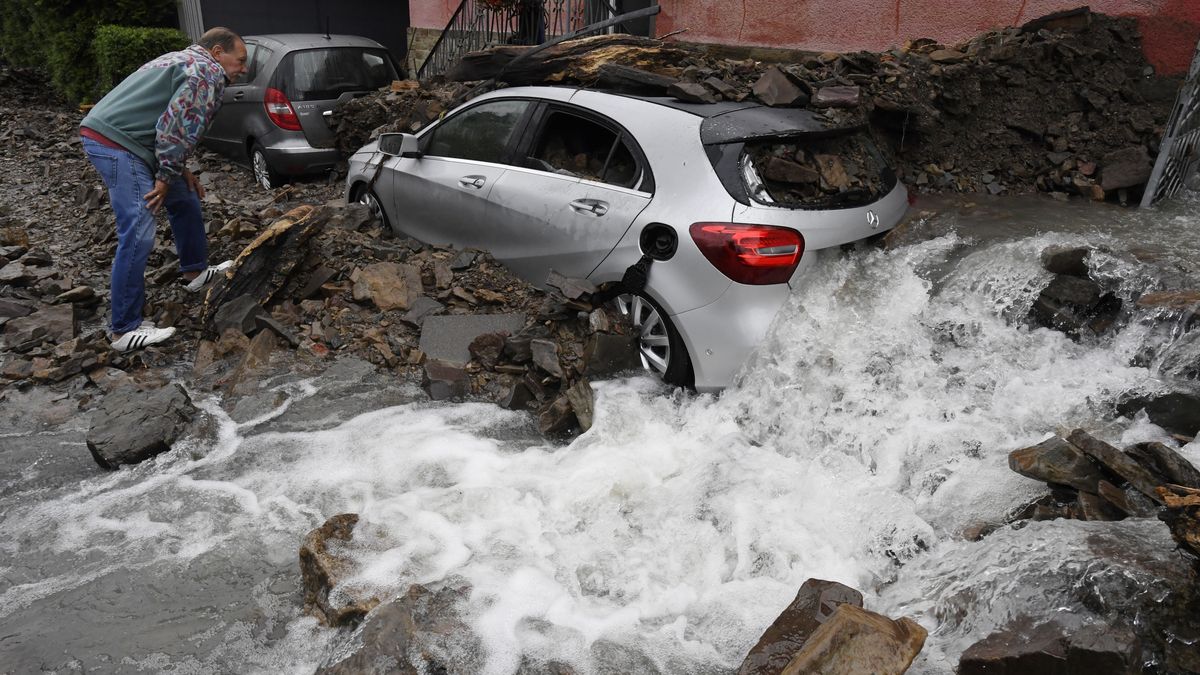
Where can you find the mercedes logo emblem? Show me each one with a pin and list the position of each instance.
(873, 219)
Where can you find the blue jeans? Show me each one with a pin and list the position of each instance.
(128, 179)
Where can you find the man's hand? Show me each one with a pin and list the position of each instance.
(193, 183)
(154, 198)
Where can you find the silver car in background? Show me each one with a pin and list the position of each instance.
(275, 115)
(584, 182)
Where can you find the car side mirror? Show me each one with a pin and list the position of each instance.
(400, 145)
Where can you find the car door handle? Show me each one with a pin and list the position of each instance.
(592, 206)
(474, 182)
(238, 96)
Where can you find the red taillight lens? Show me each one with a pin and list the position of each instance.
(279, 109)
(750, 254)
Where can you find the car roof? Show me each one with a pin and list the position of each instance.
(723, 122)
(292, 41)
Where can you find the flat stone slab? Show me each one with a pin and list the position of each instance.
(447, 338)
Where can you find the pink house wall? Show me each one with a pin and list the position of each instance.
(1170, 28)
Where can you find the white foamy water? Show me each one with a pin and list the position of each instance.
(871, 428)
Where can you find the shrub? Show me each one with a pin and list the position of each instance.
(57, 35)
(120, 50)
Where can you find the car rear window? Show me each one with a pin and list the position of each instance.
(828, 172)
(323, 74)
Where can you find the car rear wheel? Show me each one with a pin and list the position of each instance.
(659, 345)
(366, 197)
(264, 175)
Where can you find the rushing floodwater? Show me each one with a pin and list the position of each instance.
(870, 430)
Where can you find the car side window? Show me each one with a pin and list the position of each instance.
(576, 146)
(258, 60)
(481, 133)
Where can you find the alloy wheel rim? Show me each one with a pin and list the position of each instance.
(261, 173)
(654, 345)
(372, 204)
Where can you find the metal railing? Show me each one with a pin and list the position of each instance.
(479, 24)
(1179, 152)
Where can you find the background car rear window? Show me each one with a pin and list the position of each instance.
(323, 74)
(574, 146)
(481, 133)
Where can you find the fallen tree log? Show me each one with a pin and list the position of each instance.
(264, 267)
(572, 62)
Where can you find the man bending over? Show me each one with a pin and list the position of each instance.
(139, 137)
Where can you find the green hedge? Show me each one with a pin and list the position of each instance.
(57, 35)
(120, 50)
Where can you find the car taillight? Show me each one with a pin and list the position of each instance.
(750, 254)
(279, 109)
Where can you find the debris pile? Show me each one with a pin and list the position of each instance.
(330, 280)
(1066, 104)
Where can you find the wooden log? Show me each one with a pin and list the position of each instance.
(628, 80)
(1182, 515)
(572, 62)
(266, 265)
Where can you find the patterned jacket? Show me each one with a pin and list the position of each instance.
(161, 111)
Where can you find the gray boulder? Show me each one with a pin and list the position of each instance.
(131, 425)
(422, 631)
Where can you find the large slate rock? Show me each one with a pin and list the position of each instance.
(131, 425)
(422, 631)
(323, 566)
(855, 640)
(1075, 306)
(1117, 462)
(1068, 260)
(53, 325)
(1097, 648)
(610, 353)
(1164, 462)
(448, 338)
(1021, 648)
(444, 381)
(1125, 168)
(837, 97)
(1177, 412)
(387, 285)
(814, 603)
(1054, 460)
(776, 88)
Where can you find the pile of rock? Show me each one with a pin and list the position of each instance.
(330, 281)
(1066, 104)
(1092, 480)
(403, 107)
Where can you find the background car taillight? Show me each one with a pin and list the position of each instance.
(279, 109)
(750, 254)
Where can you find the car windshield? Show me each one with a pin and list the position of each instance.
(322, 74)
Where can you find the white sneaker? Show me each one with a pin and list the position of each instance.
(142, 336)
(205, 278)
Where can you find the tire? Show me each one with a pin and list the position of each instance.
(264, 175)
(362, 195)
(659, 346)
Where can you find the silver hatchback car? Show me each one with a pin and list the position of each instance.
(275, 115)
(585, 182)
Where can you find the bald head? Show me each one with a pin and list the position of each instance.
(227, 49)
